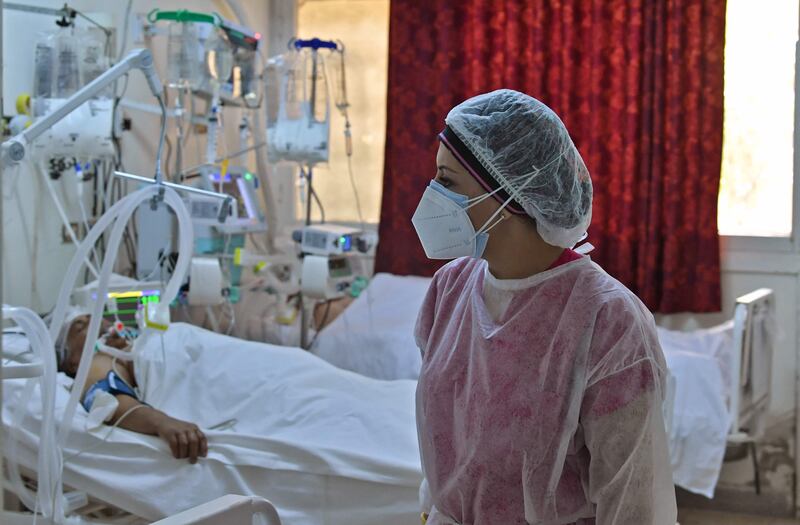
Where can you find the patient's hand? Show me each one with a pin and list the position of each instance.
(185, 440)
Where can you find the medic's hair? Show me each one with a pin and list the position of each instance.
(465, 157)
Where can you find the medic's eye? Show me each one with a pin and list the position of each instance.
(443, 179)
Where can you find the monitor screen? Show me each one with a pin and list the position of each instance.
(123, 305)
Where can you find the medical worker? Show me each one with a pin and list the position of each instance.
(540, 395)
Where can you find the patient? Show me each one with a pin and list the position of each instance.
(186, 440)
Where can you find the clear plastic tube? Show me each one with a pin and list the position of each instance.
(50, 490)
(85, 216)
(26, 496)
(122, 355)
(118, 215)
(61, 213)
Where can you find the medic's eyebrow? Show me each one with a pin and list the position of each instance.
(442, 167)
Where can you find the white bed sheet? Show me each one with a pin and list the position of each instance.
(374, 336)
(323, 444)
(701, 418)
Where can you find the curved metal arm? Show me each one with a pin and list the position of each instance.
(15, 149)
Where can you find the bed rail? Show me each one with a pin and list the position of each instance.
(230, 509)
(751, 371)
(751, 364)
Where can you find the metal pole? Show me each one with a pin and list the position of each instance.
(178, 187)
(2, 167)
(309, 195)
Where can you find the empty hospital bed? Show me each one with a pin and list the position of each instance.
(718, 389)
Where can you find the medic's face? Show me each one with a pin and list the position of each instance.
(453, 176)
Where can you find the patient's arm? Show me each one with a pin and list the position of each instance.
(185, 440)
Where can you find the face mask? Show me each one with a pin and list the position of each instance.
(444, 227)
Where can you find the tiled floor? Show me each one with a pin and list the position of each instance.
(705, 517)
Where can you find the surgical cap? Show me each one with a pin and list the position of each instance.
(526, 149)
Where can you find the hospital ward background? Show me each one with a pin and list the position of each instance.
(211, 278)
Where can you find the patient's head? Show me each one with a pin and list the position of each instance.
(73, 337)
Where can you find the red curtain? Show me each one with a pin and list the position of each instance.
(639, 84)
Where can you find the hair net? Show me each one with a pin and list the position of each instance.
(526, 148)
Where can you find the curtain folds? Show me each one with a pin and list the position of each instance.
(639, 85)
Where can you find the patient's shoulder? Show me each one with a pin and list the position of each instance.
(101, 365)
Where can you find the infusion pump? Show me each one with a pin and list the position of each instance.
(327, 251)
(333, 239)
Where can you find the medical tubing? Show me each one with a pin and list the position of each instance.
(65, 220)
(162, 137)
(85, 219)
(49, 461)
(121, 222)
(18, 412)
(184, 221)
(28, 498)
(123, 355)
(120, 214)
(213, 129)
(50, 490)
(128, 206)
(59, 312)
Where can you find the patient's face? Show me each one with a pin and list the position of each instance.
(76, 338)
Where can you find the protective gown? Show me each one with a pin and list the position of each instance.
(548, 414)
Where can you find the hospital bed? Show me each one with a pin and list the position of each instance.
(324, 445)
(717, 392)
(742, 351)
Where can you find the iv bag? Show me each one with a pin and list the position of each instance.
(66, 66)
(44, 63)
(219, 57)
(185, 53)
(298, 110)
(244, 74)
(93, 62)
(64, 61)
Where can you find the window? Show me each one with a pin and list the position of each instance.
(363, 27)
(755, 197)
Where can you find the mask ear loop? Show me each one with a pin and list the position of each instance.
(484, 229)
(480, 198)
(501, 218)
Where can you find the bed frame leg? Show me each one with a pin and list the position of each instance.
(756, 476)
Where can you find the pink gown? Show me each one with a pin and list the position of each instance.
(551, 413)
